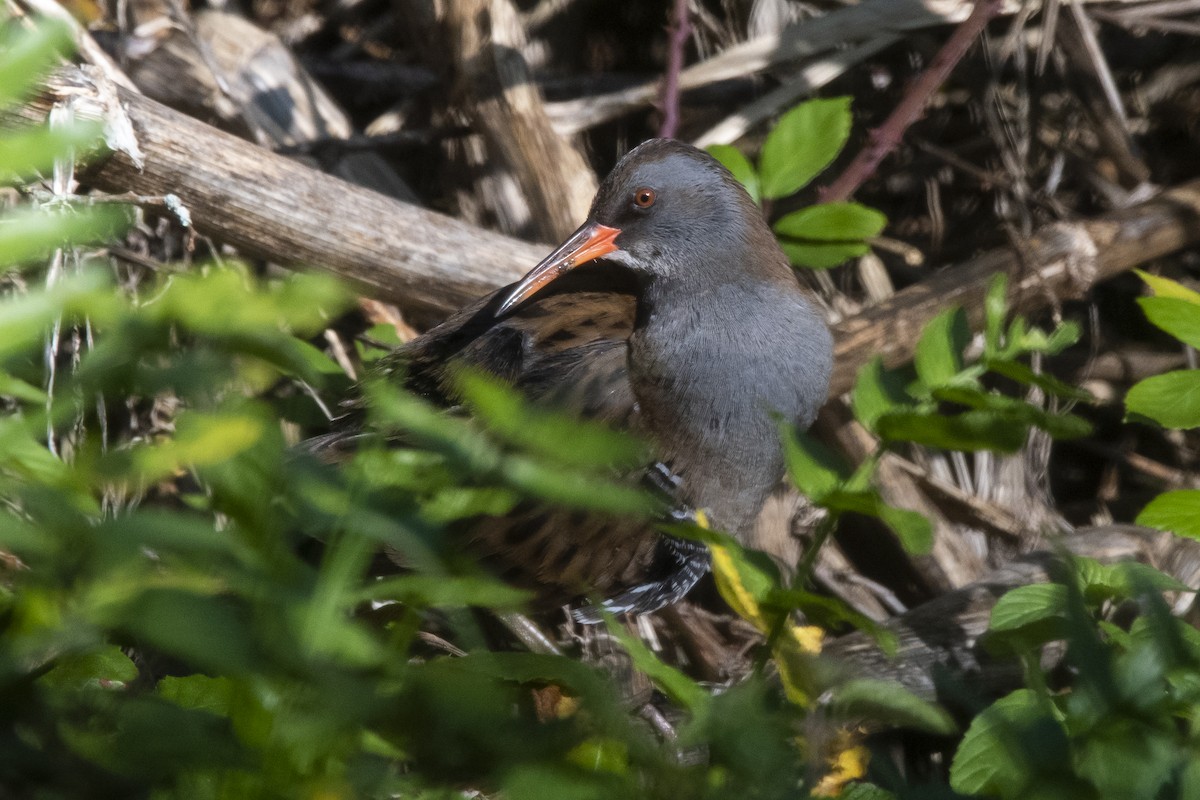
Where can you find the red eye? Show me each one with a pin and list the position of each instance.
(644, 198)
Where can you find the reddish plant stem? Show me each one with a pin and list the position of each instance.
(884, 139)
(678, 31)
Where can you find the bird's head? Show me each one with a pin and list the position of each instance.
(666, 210)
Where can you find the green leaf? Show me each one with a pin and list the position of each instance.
(460, 502)
(876, 391)
(671, 681)
(210, 633)
(995, 309)
(1165, 287)
(938, 356)
(822, 256)
(442, 591)
(890, 703)
(1124, 762)
(201, 440)
(913, 529)
(20, 390)
(29, 54)
(1027, 605)
(830, 612)
(815, 469)
(1172, 399)
(1062, 337)
(33, 151)
(1180, 318)
(198, 693)
(804, 142)
(832, 222)
(1123, 580)
(107, 667)
(736, 162)
(969, 431)
(29, 234)
(1177, 512)
(567, 441)
(1008, 747)
(1021, 373)
(865, 791)
(575, 488)
(553, 782)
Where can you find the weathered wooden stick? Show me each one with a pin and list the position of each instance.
(271, 207)
(1060, 262)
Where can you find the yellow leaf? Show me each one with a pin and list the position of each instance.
(810, 637)
(848, 763)
(731, 587)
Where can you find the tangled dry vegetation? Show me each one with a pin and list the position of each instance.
(1061, 150)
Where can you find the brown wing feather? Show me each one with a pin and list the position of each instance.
(565, 349)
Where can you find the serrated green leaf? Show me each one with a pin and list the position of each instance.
(804, 142)
(1122, 580)
(1177, 512)
(938, 357)
(1180, 318)
(832, 222)
(822, 256)
(1026, 605)
(1007, 747)
(736, 162)
(890, 703)
(1128, 763)
(1172, 399)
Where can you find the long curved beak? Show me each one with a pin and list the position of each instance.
(590, 242)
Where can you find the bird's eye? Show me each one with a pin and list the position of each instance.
(644, 198)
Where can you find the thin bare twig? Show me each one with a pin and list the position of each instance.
(678, 31)
(884, 139)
